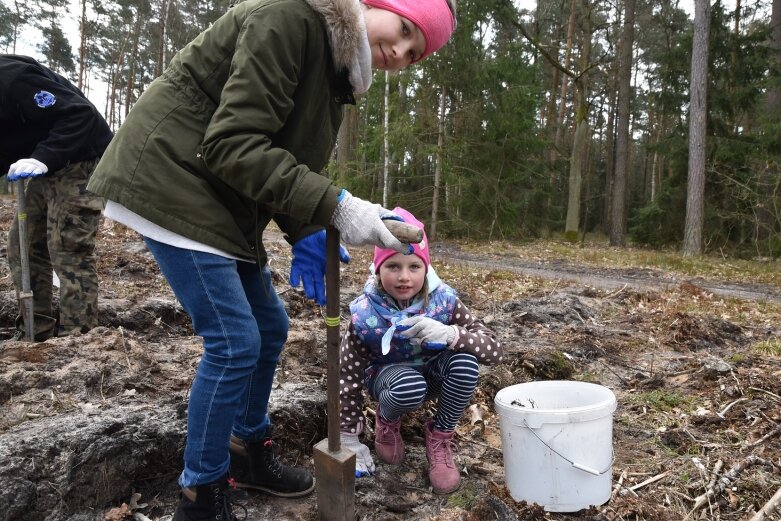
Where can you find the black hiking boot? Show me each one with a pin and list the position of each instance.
(212, 502)
(44, 328)
(254, 465)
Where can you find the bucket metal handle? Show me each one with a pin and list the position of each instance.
(579, 466)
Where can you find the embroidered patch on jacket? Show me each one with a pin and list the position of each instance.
(44, 99)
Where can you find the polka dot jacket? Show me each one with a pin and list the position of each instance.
(358, 359)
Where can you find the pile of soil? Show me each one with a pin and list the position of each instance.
(92, 426)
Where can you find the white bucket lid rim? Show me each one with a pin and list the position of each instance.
(605, 405)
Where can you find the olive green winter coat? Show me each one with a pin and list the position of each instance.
(233, 133)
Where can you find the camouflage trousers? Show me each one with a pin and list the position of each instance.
(62, 225)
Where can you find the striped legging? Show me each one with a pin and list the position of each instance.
(451, 376)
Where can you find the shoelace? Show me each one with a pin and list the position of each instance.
(387, 433)
(224, 503)
(442, 451)
(271, 461)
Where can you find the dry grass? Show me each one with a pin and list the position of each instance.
(598, 253)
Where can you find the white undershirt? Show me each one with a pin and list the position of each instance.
(147, 228)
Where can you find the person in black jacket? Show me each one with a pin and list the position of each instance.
(54, 136)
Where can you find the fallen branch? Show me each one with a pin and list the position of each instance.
(723, 482)
(623, 380)
(649, 481)
(715, 474)
(728, 407)
(770, 507)
(618, 484)
(616, 292)
(767, 436)
(766, 392)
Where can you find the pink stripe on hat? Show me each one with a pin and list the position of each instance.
(421, 249)
(432, 17)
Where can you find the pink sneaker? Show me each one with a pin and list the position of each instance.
(388, 442)
(442, 472)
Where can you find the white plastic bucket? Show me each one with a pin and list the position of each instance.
(557, 442)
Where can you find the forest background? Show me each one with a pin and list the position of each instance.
(628, 118)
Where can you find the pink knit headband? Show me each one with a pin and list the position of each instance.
(432, 17)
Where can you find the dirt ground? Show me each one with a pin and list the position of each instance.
(696, 430)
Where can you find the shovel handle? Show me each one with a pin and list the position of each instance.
(26, 294)
(405, 232)
(332, 314)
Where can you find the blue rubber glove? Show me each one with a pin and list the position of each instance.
(26, 168)
(308, 265)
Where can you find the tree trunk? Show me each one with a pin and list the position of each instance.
(768, 214)
(385, 151)
(572, 224)
(558, 138)
(623, 141)
(695, 191)
(83, 46)
(576, 171)
(610, 151)
(346, 142)
(131, 77)
(438, 167)
(160, 65)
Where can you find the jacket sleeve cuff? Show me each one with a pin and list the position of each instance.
(455, 340)
(325, 208)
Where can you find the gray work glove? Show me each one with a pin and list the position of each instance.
(360, 223)
(430, 333)
(26, 168)
(364, 465)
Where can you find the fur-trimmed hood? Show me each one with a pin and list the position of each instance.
(346, 28)
(349, 42)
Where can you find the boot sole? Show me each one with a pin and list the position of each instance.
(401, 460)
(445, 492)
(276, 492)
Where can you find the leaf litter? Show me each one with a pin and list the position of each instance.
(695, 435)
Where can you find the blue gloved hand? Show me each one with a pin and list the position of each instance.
(308, 265)
(26, 168)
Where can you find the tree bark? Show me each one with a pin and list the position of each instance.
(695, 191)
(438, 167)
(572, 224)
(83, 46)
(610, 151)
(623, 141)
(131, 77)
(160, 65)
(385, 151)
(768, 215)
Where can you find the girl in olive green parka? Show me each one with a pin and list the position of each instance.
(230, 136)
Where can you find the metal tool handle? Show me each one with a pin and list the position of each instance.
(579, 466)
(332, 315)
(26, 294)
(404, 232)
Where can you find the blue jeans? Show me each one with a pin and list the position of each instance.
(234, 307)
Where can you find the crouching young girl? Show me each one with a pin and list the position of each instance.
(410, 339)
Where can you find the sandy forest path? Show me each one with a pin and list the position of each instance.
(637, 279)
(603, 278)
(92, 426)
